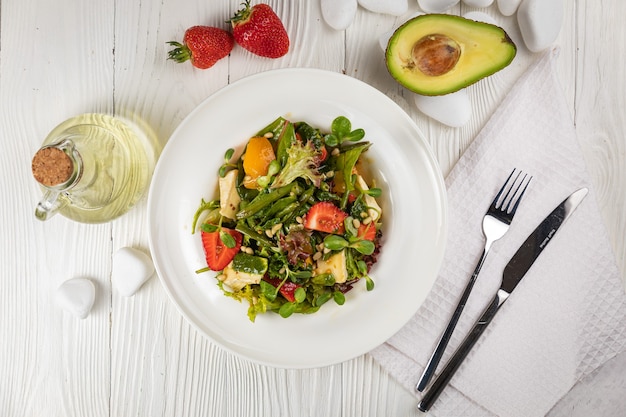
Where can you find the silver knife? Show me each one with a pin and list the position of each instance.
(513, 273)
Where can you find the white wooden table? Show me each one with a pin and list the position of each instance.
(138, 356)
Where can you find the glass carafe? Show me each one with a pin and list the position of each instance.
(93, 168)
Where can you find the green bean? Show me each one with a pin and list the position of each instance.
(285, 213)
(252, 234)
(264, 200)
(280, 205)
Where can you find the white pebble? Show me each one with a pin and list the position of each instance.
(508, 7)
(480, 17)
(452, 109)
(339, 14)
(540, 22)
(436, 6)
(131, 269)
(383, 40)
(76, 296)
(478, 3)
(392, 7)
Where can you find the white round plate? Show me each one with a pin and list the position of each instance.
(414, 219)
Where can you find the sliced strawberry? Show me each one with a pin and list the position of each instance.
(367, 231)
(218, 255)
(287, 290)
(325, 217)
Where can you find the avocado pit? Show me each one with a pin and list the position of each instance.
(435, 54)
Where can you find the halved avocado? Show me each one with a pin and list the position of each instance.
(436, 54)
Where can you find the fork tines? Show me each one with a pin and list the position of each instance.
(514, 192)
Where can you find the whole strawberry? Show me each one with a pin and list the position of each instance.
(203, 46)
(259, 30)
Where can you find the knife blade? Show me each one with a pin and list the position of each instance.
(513, 273)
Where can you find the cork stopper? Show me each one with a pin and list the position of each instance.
(52, 166)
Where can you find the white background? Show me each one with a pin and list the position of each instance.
(138, 356)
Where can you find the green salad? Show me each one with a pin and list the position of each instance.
(296, 223)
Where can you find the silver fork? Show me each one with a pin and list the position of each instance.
(495, 224)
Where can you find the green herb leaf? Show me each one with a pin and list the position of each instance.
(268, 290)
(339, 297)
(208, 228)
(300, 275)
(227, 239)
(323, 279)
(341, 126)
(322, 299)
(349, 225)
(366, 247)
(355, 136)
(287, 310)
(300, 295)
(334, 242)
(331, 140)
(374, 192)
(362, 267)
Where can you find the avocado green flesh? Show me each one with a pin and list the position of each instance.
(484, 50)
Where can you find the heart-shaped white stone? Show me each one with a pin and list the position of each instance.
(339, 14)
(76, 296)
(480, 17)
(478, 3)
(540, 22)
(392, 7)
(131, 269)
(383, 40)
(436, 6)
(508, 7)
(452, 109)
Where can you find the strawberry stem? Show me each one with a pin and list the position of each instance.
(242, 14)
(180, 53)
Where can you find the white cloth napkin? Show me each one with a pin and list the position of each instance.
(568, 314)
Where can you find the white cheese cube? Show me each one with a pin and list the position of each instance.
(374, 210)
(229, 197)
(238, 279)
(335, 265)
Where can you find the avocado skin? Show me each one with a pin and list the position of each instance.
(485, 50)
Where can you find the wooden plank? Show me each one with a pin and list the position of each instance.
(55, 63)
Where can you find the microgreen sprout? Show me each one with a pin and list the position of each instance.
(210, 206)
(373, 192)
(227, 165)
(362, 267)
(265, 180)
(341, 131)
(339, 297)
(335, 242)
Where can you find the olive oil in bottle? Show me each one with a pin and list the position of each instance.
(93, 168)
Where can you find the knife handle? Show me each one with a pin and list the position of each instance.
(461, 353)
